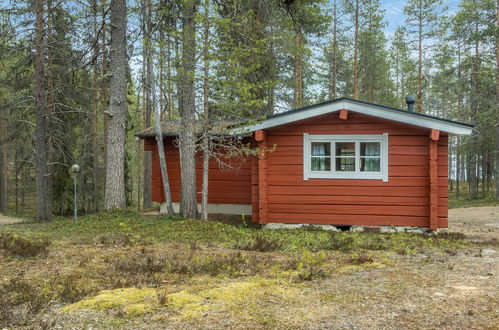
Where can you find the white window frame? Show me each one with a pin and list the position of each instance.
(333, 174)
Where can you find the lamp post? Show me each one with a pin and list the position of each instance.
(74, 172)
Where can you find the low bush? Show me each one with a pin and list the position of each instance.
(312, 265)
(362, 258)
(21, 299)
(74, 286)
(15, 245)
(143, 260)
(261, 244)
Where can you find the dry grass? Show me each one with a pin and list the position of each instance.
(318, 280)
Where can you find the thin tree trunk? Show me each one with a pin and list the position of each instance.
(458, 166)
(162, 156)
(334, 60)
(115, 171)
(3, 163)
(42, 211)
(147, 192)
(356, 53)
(95, 114)
(419, 101)
(187, 134)
(497, 100)
(475, 108)
(298, 69)
(105, 81)
(50, 104)
(206, 138)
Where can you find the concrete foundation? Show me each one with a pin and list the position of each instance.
(238, 209)
(365, 229)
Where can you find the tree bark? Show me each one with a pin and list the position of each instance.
(356, 53)
(187, 135)
(117, 113)
(43, 213)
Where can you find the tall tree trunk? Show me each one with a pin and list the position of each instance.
(162, 156)
(298, 69)
(419, 101)
(50, 44)
(497, 100)
(473, 163)
(3, 163)
(356, 53)
(115, 171)
(206, 138)
(187, 134)
(105, 80)
(95, 113)
(43, 213)
(458, 166)
(334, 56)
(147, 194)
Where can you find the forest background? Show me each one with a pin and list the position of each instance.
(65, 64)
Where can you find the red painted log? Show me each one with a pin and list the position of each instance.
(433, 183)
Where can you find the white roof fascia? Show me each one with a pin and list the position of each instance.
(370, 110)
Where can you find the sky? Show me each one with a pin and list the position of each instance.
(394, 14)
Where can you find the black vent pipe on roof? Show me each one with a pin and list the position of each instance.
(409, 99)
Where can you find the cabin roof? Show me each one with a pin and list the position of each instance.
(371, 109)
(173, 127)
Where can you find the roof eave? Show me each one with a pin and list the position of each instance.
(452, 128)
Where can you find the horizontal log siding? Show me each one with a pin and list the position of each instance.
(225, 186)
(402, 201)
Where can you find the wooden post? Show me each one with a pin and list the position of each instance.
(261, 138)
(434, 137)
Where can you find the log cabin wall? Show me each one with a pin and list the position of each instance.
(402, 201)
(225, 186)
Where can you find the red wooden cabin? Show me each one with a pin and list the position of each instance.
(343, 162)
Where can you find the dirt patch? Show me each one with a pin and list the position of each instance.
(4, 220)
(479, 222)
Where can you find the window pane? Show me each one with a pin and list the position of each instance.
(345, 164)
(369, 148)
(321, 164)
(345, 148)
(369, 164)
(321, 149)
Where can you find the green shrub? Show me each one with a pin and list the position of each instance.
(312, 265)
(15, 245)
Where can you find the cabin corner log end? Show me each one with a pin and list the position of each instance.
(343, 114)
(433, 152)
(261, 138)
